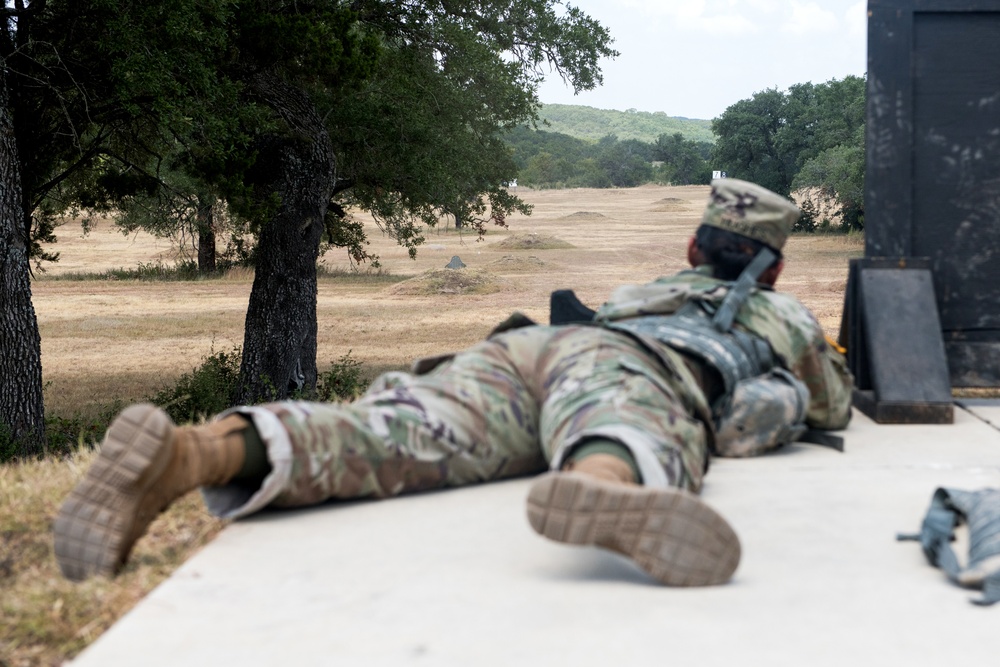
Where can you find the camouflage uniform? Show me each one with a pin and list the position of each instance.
(789, 327)
(521, 400)
(511, 405)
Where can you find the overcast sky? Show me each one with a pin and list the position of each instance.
(694, 58)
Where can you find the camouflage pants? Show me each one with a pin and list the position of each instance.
(512, 405)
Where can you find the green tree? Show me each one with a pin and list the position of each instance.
(837, 177)
(684, 161)
(83, 81)
(820, 117)
(747, 144)
(235, 113)
(396, 108)
(189, 212)
(21, 410)
(422, 135)
(544, 169)
(527, 142)
(290, 110)
(625, 162)
(812, 136)
(589, 174)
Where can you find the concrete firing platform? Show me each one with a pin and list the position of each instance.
(458, 578)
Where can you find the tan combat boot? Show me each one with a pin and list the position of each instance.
(669, 533)
(145, 463)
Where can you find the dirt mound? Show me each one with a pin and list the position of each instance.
(669, 205)
(449, 281)
(532, 242)
(584, 215)
(515, 263)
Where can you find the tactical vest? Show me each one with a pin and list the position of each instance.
(762, 405)
(705, 331)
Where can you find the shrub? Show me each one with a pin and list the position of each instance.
(63, 435)
(205, 391)
(345, 380)
(809, 213)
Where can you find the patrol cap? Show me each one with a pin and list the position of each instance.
(749, 210)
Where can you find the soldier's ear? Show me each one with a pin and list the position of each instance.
(694, 255)
(770, 275)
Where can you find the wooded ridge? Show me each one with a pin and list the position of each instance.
(592, 124)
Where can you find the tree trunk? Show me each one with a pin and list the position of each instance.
(206, 239)
(279, 341)
(22, 413)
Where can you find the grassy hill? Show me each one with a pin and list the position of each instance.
(592, 124)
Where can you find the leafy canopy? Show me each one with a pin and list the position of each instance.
(415, 96)
(424, 135)
(811, 136)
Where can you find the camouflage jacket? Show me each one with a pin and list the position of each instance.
(793, 332)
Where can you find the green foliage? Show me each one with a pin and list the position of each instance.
(63, 435)
(592, 124)
(401, 104)
(343, 382)
(344, 231)
(838, 177)
(589, 174)
(209, 389)
(186, 270)
(317, 40)
(99, 80)
(810, 137)
(549, 159)
(808, 221)
(747, 146)
(185, 209)
(627, 163)
(124, 103)
(424, 134)
(66, 434)
(527, 143)
(544, 169)
(684, 162)
(205, 391)
(824, 116)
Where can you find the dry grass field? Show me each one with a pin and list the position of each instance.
(113, 340)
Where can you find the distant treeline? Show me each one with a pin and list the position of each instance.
(809, 138)
(556, 160)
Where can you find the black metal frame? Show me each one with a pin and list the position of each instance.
(933, 163)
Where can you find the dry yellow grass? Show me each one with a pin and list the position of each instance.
(44, 618)
(123, 340)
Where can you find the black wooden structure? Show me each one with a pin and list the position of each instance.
(932, 191)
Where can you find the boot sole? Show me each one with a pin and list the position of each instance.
(669, 533)
(96, 525)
